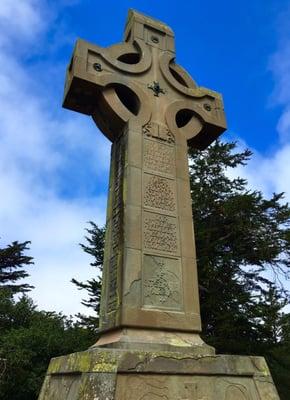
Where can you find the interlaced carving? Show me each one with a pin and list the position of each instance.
(159, 157)
(159, 194)
(160, 233)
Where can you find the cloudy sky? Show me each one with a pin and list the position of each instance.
(54, 163)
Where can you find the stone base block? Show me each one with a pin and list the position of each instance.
(121, 374)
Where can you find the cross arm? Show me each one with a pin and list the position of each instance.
(200, 117)
(98, 83)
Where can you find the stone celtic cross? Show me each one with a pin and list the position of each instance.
(151, 110)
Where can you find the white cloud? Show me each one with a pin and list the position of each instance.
(21, 20)
(42, 154)
(271, 172)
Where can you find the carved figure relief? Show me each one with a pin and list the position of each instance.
(162, 283)
(159, 157)
(159, 193)
(158, 131)
(236, 392)
(160, 232)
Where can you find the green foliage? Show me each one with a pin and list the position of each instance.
(13, 262)
(243, 251)
(95, 248)
(239, 236)
(28, 340)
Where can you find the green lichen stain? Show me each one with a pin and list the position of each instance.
(83, 361)
(177, 341)
(104, 367)
(261, 365)
(55, 365)
(104, 362)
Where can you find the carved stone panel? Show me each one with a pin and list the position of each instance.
(159, 157)
(162, 283)
(174, 387)
(160, 233)
(158, 131)
(159, 193)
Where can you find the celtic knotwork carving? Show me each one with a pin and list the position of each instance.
(159, 193)
(159, 157)
(160, 232)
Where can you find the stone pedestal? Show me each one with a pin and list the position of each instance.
(123, 374)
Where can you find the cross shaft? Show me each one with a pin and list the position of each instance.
(151, 110)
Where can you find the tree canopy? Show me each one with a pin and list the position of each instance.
(29, 338)
(13, 263)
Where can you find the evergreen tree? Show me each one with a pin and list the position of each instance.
(28, 340)
(95, 248)
(12, 267)
(272, 342)
(241, 238)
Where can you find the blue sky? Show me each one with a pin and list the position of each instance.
(54, 163)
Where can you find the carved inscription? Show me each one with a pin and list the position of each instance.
(160, 232)
(159, 157)
(159, 193)
(157, 131)
(116, 229)
(116, 226)
(161, 283)
(112, 282)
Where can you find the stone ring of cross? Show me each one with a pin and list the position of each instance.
(115, 86)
